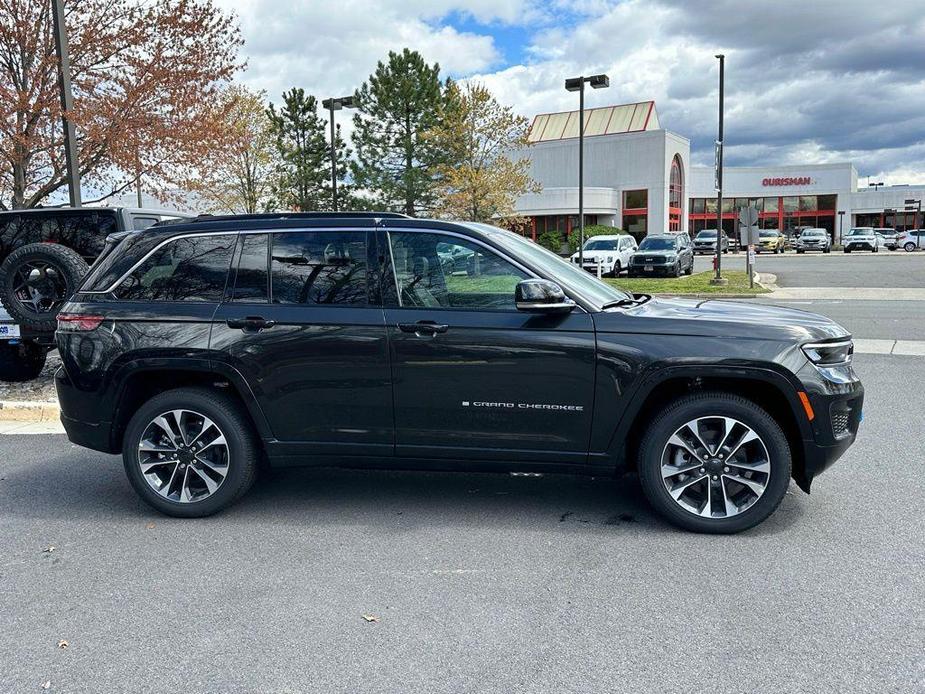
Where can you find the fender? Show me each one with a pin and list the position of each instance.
(614, 451)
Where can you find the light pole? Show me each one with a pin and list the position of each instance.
(875, 186)
(577, 84)
(335, 104)
(841, 219)
(718, 278)
(910, 204)
(67, 102)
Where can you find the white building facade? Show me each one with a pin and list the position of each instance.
(637, 177)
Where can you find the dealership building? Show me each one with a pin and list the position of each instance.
(637, 176)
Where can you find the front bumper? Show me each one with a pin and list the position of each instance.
(657, 269)
(837, 399)
(859, 246)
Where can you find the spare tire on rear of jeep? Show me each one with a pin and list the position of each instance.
(36, 280)
(21, 362)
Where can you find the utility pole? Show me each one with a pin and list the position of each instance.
(718, 277)
(67, 102)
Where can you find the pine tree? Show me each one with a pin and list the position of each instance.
(398, 106)
(304, 177)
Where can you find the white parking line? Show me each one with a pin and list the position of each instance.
(17, 428)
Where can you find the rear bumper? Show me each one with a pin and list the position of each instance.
(78, 419)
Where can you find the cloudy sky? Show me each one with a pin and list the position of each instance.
(808, 81)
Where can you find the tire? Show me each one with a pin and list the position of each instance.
(60, 271)
(847, 250)
(617, 269)
(22, 362)
(876, 249)
(909, 247)
(677, 270)
(242, 452)
(690, 268)
(711, 405)
(799, 251)
(826, 250)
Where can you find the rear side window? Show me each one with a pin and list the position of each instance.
(319, 267)
(185, 269)
(252, 281)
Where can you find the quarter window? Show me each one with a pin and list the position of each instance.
(185, 269)
(438, 271)
(319, 267)
(251, 281)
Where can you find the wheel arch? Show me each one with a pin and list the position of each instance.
(768, 389)
(144, 381)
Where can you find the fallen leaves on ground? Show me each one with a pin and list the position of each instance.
(49, 549)
(46, 684)
(150, 526)
(63, 644)
(370, 618)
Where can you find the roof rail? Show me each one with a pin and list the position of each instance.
(269, 216)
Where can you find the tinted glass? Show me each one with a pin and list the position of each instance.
(143, 222)
(635, 199)
(439, 271)
(186, 269)
(320, 267)
(656, 244)
(707, 234)
(610, 245)
(252, 280)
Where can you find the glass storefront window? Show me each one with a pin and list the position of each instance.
(635, 199)
(710, 204)
(740, 203)
(697, 205)
(727, 204)
(791, 203)
(756, 203)
(808, 203)
(826, 202)
(770, 204)
(636, 224)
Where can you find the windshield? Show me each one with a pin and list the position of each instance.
(554, 267)
(706, 235)
(656, 244)
(860, 232)
(813, 232)
(768, 234)
(601, 245)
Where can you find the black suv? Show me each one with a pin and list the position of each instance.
(200, 350)
(44, 255)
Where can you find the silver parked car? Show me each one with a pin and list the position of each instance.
(813, 240)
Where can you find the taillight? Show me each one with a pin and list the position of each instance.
(78, 322)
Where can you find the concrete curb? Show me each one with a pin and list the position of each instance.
(29, 411)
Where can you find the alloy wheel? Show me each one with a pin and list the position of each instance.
(183, 456)
(715, 467)
(39, 287)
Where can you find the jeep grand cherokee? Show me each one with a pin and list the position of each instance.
(198, 349)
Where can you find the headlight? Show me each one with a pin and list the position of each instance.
(609, 259)
(671, 258)
(829, 353)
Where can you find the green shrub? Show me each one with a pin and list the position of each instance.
(591, 230)
(551, 240)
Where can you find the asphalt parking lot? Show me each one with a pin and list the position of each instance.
(479, 583)
(888, 269)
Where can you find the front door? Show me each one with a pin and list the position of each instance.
(301, 328)
(474, 377)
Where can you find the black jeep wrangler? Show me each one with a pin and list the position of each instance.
(198, 350)
(44, 255)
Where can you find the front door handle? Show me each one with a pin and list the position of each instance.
(423, 328)
(251, 324)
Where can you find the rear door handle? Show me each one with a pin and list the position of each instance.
(251, 324)
(424, 327)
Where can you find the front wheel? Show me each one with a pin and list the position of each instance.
(714, 462)
(616, 269)
(190, 452)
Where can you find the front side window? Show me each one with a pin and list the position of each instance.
(319, 268)
(185, 269)
(439, 271)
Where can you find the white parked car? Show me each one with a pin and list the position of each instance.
(912, 239)
(890, 238)
(613, 252)
(863, 239)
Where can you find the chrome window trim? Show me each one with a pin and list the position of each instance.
(235, 233)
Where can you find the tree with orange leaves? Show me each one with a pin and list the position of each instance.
(145, 79)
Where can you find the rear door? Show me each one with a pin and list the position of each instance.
(302, 326)
(474, 378)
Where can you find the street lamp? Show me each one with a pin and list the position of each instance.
(875, 186)
(335, 104)
(841, 219)
(577, 84)
(915, 205)
(718, 277)
(67, 103)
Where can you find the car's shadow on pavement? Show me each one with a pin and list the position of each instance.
(94, 487)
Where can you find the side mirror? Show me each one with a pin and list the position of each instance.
(541, 296)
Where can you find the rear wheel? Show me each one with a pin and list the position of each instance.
(616, 269)
(714, 462)
(190, 452)
(22, 362)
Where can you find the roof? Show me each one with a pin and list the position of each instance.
(606, 120)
